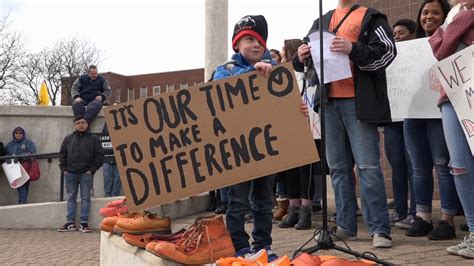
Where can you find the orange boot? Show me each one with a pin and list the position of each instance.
(205, 241)
(146, 223)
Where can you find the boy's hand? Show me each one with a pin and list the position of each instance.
(304, 109)
(263, 68)
(304, 51)
(341, 45)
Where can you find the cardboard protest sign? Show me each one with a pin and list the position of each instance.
(211, 135)
(411, 88)
(455, 74)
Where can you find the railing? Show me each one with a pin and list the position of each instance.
(43, 156)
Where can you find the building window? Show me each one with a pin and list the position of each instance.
(143, 92)
(183, 86)
(156, 90)
(131, 96)
(170, 88)
(117, 95)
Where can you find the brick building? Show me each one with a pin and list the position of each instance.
(127, 88)
(395, 9)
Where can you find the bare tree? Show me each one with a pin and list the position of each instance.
(11, 49)
(68, 58)
(29, 78)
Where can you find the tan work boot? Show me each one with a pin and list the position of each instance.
(282, 209)
(205, 241)
(108, 223)
(146, 223)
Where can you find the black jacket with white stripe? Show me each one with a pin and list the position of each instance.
(371, 55)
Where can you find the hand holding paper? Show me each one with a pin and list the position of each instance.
(336, 64)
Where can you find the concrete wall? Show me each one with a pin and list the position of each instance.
(51, 215)
(46, 127)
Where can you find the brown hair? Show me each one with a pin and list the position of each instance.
(291, 48)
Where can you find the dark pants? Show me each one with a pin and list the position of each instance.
(260, 192)
(89, 113)
(402, 174)
(299, 184)
(23, 193)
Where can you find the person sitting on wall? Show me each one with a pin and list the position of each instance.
(91, 90)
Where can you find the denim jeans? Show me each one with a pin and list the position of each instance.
(260, 193)
(112, 183)
(426, 147)
(93, 108)
(346, 134)
(224, 194)
(23, 193)
(462, 159)
(281, 190)
(402, 173)
(73, 182)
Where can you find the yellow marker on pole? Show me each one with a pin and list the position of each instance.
(43, 95)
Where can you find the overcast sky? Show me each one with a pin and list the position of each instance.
(146, 36)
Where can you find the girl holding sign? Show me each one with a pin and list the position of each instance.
(449, 39)
(427, 148)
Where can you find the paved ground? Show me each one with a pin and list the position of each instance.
(48, 247)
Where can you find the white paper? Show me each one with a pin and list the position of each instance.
(413, 88)
(336, 65)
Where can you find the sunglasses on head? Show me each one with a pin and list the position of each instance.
(19, 132)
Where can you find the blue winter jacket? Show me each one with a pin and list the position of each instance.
(22, 146)
(238, 66)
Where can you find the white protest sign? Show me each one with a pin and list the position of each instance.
(314, 120)
(411, 89)
(455, 74)
(336, 65)
(309, 98)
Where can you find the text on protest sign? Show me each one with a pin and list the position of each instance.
(209, 136)
(455, 74)
(411, 88)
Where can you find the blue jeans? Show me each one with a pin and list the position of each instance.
(260, 192)
(73, 182)
(461, 159)
(23, 193)
(93, 108)
(346, 134)
(112, 184)
(402, 174)
(224, 194)
(427, 147)
(281, 186)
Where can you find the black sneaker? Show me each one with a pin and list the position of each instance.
(420, 228)
(464, 227)
(67, 227)
(444, 231)
(83, 227)
(316, 208)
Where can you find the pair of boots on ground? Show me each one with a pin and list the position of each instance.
(298, 216)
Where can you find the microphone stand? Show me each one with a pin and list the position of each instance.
(322, 236)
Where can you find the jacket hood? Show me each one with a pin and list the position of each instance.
(18, 129)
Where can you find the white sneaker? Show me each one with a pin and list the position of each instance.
(381, 241)
(405, 223)
(341, 235)
(468, 242)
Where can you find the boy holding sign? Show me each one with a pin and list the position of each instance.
(249, 43)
